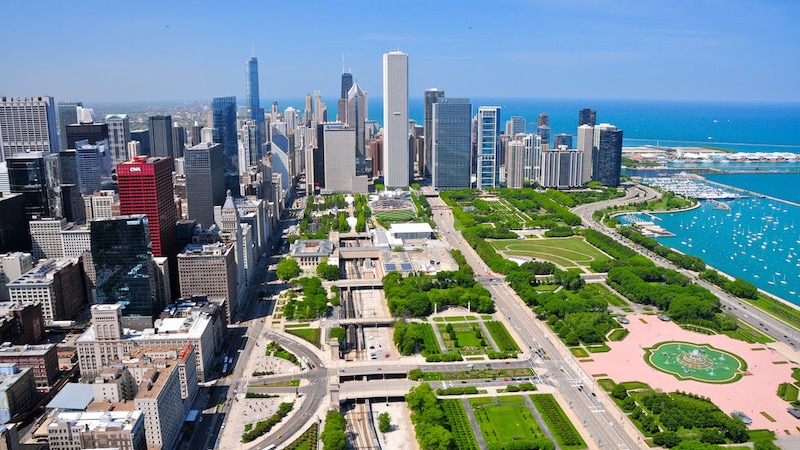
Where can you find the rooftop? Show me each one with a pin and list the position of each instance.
(190, 327)
(26, 350)
(99, 420)
(42, 273)
(72, 397)
(420, 227)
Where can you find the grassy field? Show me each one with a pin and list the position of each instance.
(395, 215)
(568, 253)
(602, 292)
(309, 334)
(505, 422)
(459, 424)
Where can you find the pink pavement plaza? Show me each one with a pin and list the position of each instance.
(753, 394)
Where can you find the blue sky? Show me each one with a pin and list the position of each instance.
(728, 50)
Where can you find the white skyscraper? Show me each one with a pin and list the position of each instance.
(585, 144)
(340, 157)
(396, 158)
(119, 134)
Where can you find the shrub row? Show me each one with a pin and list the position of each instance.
(264, 426)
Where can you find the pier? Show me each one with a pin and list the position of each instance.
(751, 193)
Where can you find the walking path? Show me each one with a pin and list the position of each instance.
(540, 420)
(476, 429)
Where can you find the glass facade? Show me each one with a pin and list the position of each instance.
(488, 141)
(225, 133)
(452, 149)
(122, 261)
(607, 154)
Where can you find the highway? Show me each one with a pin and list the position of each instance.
(604, 427)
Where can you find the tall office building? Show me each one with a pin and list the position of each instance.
(561, 169)
(347, 83)
(143, 138)
(224, 112)
(356, 116)
(339, 142)
(432, 96)
(119, 134)
(488, 144)
(27, 125)
(254, 110)
(67, 115)
(562, 140)
(35, 176)
(145, 187)
(515, 125)
(533, 156)
(396, 168)
(178, 140)
(90, 162)
(194, 134)
(92, 132)
(543, 120)
(607, 154)
(160, 137)
(587, 116)
(249, 156)
(451, 152)
(123, 265)
(585, 146)
(515, 164)
(210, 270)
(204, 166)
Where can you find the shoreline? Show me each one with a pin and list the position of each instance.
(751, 193)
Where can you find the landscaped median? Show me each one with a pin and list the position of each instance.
(262, 427)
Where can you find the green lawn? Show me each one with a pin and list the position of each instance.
(568, 252)
(603, 293)
(503, 423)
(394, 215)
(309, 334)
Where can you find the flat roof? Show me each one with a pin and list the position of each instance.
(73, 397)
(26, 350)
(418, 227)
(99, 420)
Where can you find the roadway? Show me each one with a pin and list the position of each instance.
(604, 427)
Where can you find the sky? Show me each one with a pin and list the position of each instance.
(697, 50)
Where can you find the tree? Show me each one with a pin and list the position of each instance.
(332, 436)
(384, 422)
(328, 272)
(287, 269)
(619, 392)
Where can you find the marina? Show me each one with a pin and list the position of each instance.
(694, 187)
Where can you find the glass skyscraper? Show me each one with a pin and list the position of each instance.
(254, 110)
(607, 154)
(225, 133)
(122, 260)
(451, 125)
(432, 96)
(488, 141)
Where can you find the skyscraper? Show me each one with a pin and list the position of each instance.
(178, 140)
(356, 115)
(587, 116)
(451, 126)
(123, 265)
(561, 169)
(35, 176)
(119, 134)
(432, 96)
(224, 111)
(27, 125)
(92, 132)
(204, 166)
(543, 120)
(67, 115)
(607, 154)
(488, 141)
(340, 157)
(562, 139)
(254, 110)
(347, 83)
(515, 166)
(145, 187)
(585, 146)
(515, 125)
(250, 148)
(396, 169)
(160, 137)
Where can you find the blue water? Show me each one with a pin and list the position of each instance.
(758, 240)
(780, 185)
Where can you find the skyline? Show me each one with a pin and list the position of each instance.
(710, 51)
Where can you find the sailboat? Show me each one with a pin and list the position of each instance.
(772, 281)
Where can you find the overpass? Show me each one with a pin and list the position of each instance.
(366, 321)
(362, 283)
